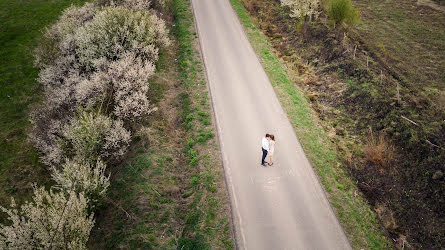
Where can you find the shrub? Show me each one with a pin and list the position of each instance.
(113, 32)
(88, 136)
(129, 77)
(81, 177)
(119, 87)
(59, 81)
(302, 8)
(93, 136)
(58, 38)
(133, 4)
(88, 49)
(51, 221)
(379, 150)
(124, 84)
(342, 11)
(46, 135)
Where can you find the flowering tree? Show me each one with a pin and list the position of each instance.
(94, 136)
(51, 221)
(113, 32)
(303, 9)
(105, 61)
(82, 177)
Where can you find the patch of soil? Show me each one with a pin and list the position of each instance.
(355, 90)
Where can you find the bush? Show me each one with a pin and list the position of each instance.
(59, 38)
(93, 136)
(81, 177)
(113, 32)
(342, 11)
(117, 84)
(134, 4)
(89, 136)
(46, 135)
(302, 8)
(51, 221)
(129, 78)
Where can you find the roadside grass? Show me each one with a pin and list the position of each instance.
(358, 220)
(170, 192)
(20, 30)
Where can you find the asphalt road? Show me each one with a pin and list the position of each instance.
(278, 207)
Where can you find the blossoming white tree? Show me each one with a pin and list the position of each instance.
(113, 32)
(106, 58)
(83, 177)
(303, 9)
(51, 221)
(93, 136)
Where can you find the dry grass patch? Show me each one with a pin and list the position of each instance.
(379, 150)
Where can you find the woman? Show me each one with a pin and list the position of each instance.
(271, 148)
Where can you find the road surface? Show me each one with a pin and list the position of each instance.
(278, 207)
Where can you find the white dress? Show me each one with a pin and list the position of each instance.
(271, 147)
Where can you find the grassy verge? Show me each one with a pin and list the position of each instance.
(171, 194)
(355, 215)
(20, 29)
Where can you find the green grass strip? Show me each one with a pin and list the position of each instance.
(204, 228)
(358, 220)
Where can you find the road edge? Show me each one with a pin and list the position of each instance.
(235, 218)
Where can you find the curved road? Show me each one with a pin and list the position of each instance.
(278, 207)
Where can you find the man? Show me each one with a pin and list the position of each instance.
(265, 148)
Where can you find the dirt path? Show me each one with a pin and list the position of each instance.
(279, 207)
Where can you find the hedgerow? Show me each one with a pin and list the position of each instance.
(95, 66)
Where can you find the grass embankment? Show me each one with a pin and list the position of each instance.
(20, 30)
(171, 193)
(355, 215)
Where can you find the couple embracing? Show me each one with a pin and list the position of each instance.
(268, 147)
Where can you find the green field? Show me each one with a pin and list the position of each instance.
(21, 27)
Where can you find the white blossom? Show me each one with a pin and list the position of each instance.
(136, 4)
(58, 39)
(130, 77)
(116, 141)
(302, 8)
(115, 31)
(83, 177)
(93, 136)
(51, 220)
(46, 137)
